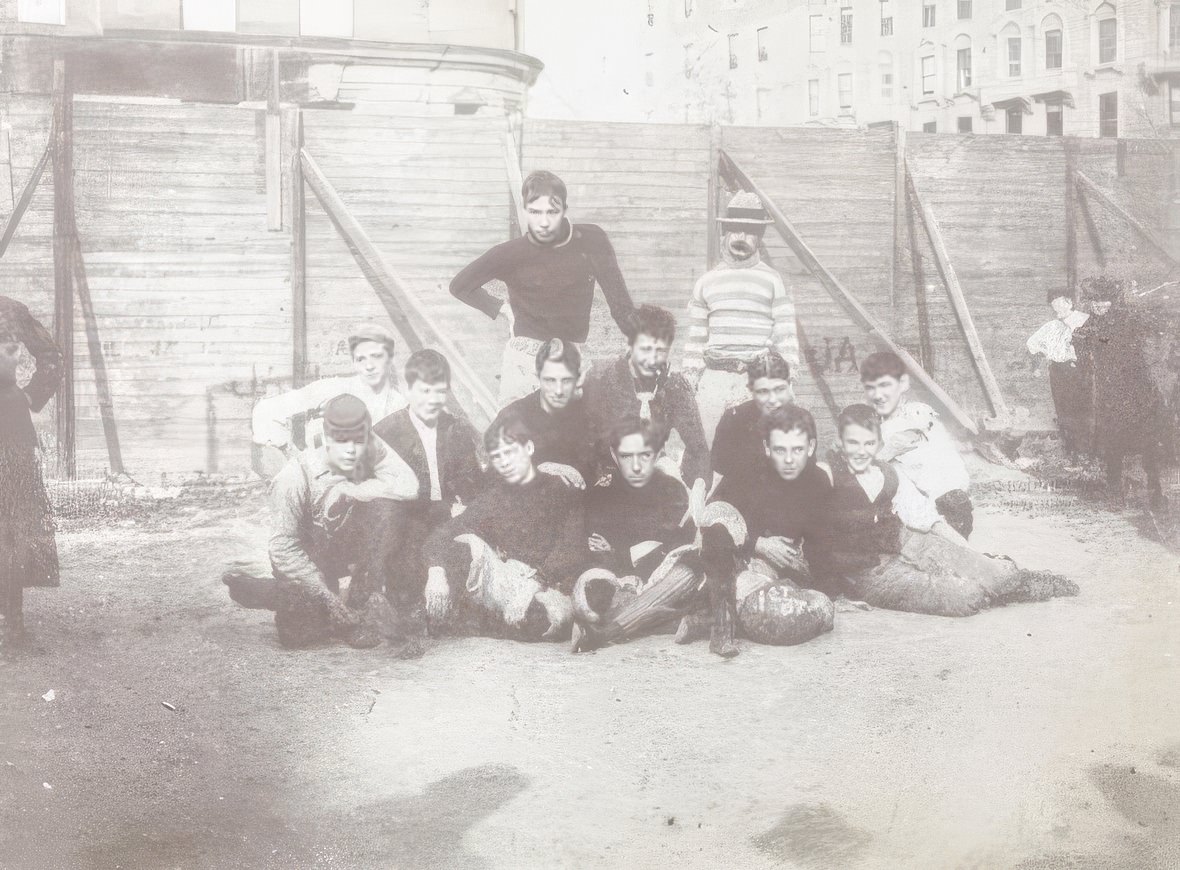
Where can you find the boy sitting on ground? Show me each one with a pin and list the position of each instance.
(915, 441)
(887, 546)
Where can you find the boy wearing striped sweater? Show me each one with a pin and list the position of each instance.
(738, 310)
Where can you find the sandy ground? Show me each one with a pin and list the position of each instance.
(1036, 736)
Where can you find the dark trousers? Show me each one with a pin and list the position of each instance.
(955, 507)
(1071, 401)
(400, 529)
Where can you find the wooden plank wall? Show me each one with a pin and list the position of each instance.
(1000, 203)
(646, 185)
(837, 188)
(432, 194)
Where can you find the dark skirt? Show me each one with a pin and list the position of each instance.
(28, 550)
(1071, 401)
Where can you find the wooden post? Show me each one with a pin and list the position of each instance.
(1092, 232)
(64, 231)
(1135, 223)
(102, 385)
(900, 210)
(712, 200)
(1071, 220)
(942, 258)
(837, 291)
(515, 181)
(26, 196)
(394, 293)
(925, 344)
(294, 123)
(274, 151)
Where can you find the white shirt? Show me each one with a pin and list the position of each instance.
(271, 420)
(429, 436)
(1055, 338)
(933, 464)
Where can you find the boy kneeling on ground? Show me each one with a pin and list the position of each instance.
(324, 531)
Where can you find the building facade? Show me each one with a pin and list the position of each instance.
(1043, 67)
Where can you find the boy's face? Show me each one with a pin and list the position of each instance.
(885, 393)
(544, 216)
(859, 445)
(636, 460)
(427, 401)
(789, 452)
(9, 360)
(649, 356)
(370, 360)
(344, 453)
(1061, 306)
(741, 242)
(513, 462)
(558, 384)
(770, 394)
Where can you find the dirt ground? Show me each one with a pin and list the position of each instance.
(1036, 736)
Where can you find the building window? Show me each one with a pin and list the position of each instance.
(930, 127)
(816, 33)
(763, 54)
(1052, 49)
(928, 15)
(1054, 118)
(1108, 115)
(1174, 26)
(1015, 122)
(844, 82)
(965, 124)
(813, 97)
(1108, 45)
(846, 25)
(1174, 104)
(964, 67)
(733, 51)
(1011, 5)
(886, 18)
(927, 75)
(964, 14)
(325, 18)
(41, 11)
(887, 85)
(1014, 56)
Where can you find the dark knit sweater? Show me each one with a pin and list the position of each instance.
(611, 393)
(16, 423)
(564, 436)
(773, 507)
(550, 287)
(540, 523)
(739, 454)
(858, 530)
(626, 516)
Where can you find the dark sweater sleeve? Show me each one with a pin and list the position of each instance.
(440, 543)
(724, 445)
(470, 479)
(39, 342)
(468, 285)
(608, 275)
(686, 419)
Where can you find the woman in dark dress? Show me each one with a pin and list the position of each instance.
(28, 551)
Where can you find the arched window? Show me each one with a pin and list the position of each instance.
(963, 72)
(1011, 51)
(1105, 37)
(1053, 35)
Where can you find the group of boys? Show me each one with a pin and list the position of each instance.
(569, 515)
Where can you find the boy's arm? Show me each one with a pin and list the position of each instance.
(698, 334)
(785, 336)
(392, 476)
(271, 417)
(468, 285)
(686, 419)
(610, 278)
(289, 498)
(914, 508)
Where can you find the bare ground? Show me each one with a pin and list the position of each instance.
(1036, 736)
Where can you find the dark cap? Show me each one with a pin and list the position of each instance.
(346, 417)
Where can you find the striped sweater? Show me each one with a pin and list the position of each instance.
(737, 311)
